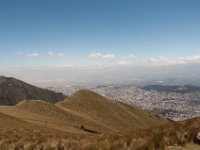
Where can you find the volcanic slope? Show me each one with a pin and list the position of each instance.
(13, 91)
(112, 114)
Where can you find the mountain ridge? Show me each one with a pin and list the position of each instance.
(83, 108)
(13, 91)
(117, 115)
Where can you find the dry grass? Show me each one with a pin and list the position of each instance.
(95, 112)
(28, 136)
(38, 125)
(111, 114)
(159, 138)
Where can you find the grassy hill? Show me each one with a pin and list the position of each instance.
(111, 114)
(46, 114)
(83, 108)
(13, 91)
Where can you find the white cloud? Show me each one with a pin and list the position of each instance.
(60, 54)
(123, 63)
(161, 60)
(32, 55)
(111, 59)
(100, 55)
(164, 59)
(95, 55)
(153, 60)
(50, 53)
(131, 56)
(180, 60)
(108, 56)
(189, 59)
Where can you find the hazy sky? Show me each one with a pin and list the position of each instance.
(90, 32)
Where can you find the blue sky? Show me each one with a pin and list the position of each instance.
(62, 32)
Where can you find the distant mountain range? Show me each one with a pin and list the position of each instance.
(13, 91)
(176, 89)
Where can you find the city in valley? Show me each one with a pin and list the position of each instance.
(172, 105)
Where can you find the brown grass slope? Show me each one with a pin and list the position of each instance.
(172, 136)
(47, 114)
(7, 122)
(117, 116)
(93, 111)
(16, 134)
(13, 91)
(11, 123)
